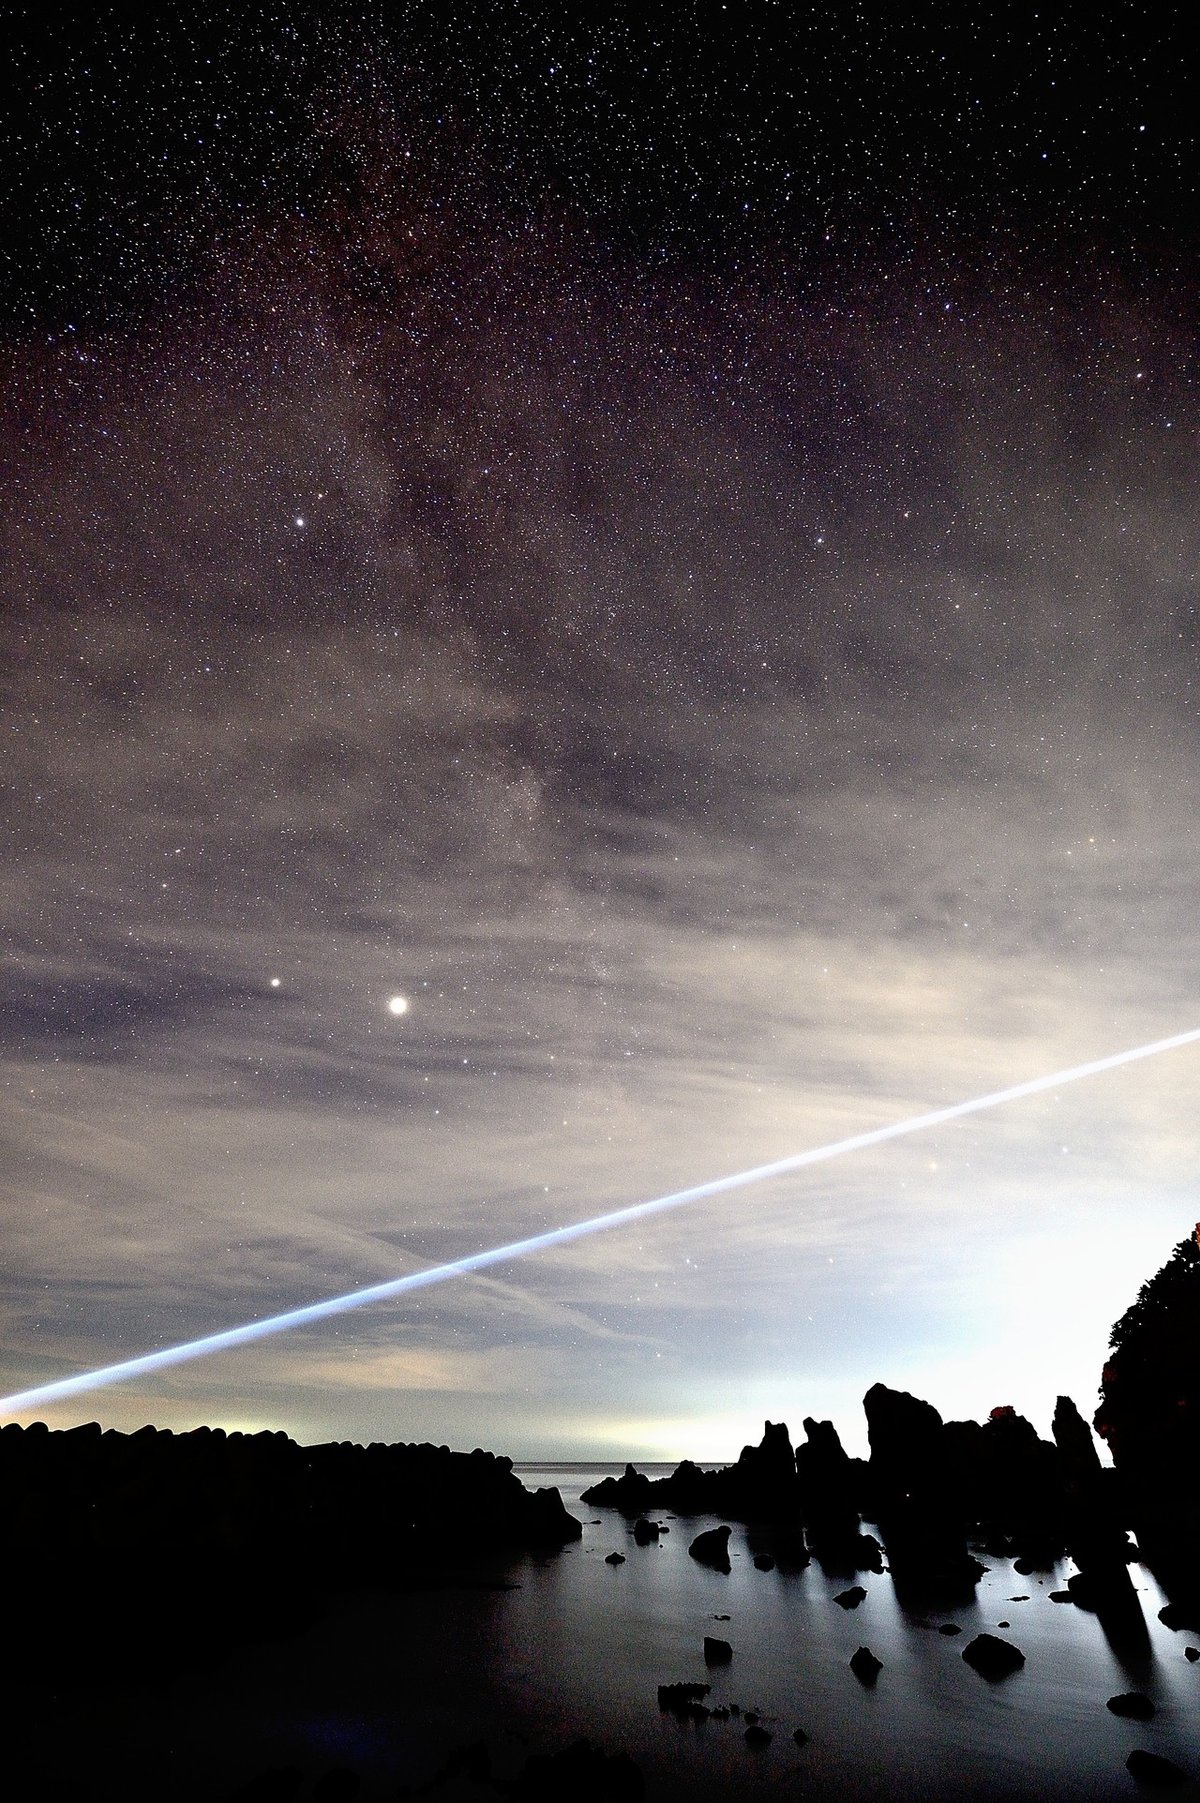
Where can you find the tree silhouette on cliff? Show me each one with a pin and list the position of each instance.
(1149, 1410)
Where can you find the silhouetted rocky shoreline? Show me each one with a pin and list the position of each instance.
(193, 1543)
(944, 1492)
(198, 1540)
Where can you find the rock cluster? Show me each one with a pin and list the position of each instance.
(931, 1486)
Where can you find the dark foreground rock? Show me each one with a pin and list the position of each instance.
(865, 1666)
(1153, 1769)
(1133, 1704)
(194, 1541)
(581, 1772)
(992, 1657)
(716, 1652)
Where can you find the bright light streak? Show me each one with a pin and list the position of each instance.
(575, 1230)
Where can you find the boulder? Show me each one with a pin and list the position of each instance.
(865, 1666)
(716, 1652)
(1133, 1704)
(992, 1657)
(1180, 1615)
(712, 1548)
(1153, 1769)
(850, 1599)
(645, 1531)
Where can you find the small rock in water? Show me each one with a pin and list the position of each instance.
(1018, 1599)
(949, 1627)
(712, 1549)
(678, 1699)
(1133, 1704)
(800, 1737)
(1192, 1653)
(992, 1657)
(645, 1531)
(756, 1736)
(865, 1666)
(615, 1559)
(764, 1562)
(1152, 1768)
(720, 1618)
(850, 1599)
(716, 1652)
(1178, 1615)
(1061, 1596)
(1004, 1624)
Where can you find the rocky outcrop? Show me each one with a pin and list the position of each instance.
(191, 1539)
(631, 1492)
(832, 1485)
(760, 1486)
(916, 1499)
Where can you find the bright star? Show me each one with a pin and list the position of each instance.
(398, 1004)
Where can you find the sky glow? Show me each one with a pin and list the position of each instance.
(230, 1337)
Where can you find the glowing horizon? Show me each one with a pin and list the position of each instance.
(61, 1388)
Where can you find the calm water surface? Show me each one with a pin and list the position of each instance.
(548, 1648)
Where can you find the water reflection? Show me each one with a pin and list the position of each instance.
(594, 1642)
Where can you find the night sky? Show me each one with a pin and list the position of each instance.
(667, 537)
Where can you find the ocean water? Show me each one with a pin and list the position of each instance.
(930, 1726)
(528, 1655)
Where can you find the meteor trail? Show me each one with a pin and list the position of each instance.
(575, 1230)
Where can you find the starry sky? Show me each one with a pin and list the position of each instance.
(669, 540)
